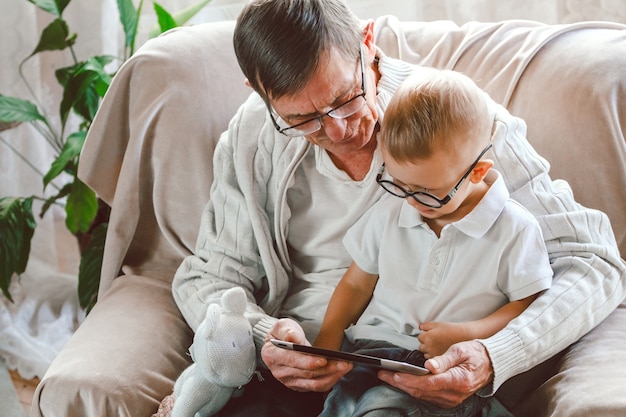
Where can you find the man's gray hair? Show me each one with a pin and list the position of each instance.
(279, 43)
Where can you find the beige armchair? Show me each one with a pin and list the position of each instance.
(149, 154)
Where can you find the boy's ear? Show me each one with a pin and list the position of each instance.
(480, 170)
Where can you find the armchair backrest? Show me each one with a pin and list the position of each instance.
(568, 82)
(148, 153)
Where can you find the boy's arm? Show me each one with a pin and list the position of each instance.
(437, 337)
(346, 305)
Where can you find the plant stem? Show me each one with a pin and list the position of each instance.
(51, 137)
(48, 136)
(73, 55)
(24, 159)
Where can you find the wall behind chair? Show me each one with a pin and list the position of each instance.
(459, 11)
(462, 11)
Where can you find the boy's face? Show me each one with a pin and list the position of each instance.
(437, 175)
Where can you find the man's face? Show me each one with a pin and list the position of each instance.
(336, 82)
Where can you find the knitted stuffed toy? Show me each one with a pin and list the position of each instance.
(224, 358)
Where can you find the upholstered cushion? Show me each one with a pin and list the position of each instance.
(123, 359)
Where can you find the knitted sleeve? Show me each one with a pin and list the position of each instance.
(587, 267)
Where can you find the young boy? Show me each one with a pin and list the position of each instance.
(450, 260)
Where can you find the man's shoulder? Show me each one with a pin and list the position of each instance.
(252, 112)
(251, 130)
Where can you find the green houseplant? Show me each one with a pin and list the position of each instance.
(84, 84)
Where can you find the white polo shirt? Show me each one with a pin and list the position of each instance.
(494, 255)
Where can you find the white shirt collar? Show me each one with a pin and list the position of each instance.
(476, 223)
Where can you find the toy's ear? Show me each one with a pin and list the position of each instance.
(212, 320)
(234, 300)
(207, 329)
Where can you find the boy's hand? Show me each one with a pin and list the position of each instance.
(437, 337)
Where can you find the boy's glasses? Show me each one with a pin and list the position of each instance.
(314, 124)
(423, 197)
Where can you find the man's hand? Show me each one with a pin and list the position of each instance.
(296, 370)
(456, 375)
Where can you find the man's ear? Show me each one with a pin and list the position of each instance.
(247, 83)
(480, 170)
(368, 39)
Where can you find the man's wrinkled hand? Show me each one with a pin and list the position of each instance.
(296, 370)
(456, 375)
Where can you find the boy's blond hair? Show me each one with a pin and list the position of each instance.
(434, 108)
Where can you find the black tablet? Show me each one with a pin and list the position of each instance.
(388, 364)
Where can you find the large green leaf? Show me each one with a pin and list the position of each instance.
(63, 192)
(55, 7)
(88, 102)
(90, 268)
(76, 94)
(81, 207)
(95, 63)
(84, 84)
(17, 226)
(165, 20)
(180, 18)
(17, 110)
(71, 149)
(98, 64)
(129, 16)
(56, 36)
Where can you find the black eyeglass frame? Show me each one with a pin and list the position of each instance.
(285, 130)
(416, 194)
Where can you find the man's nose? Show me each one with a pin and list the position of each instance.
(335, 129)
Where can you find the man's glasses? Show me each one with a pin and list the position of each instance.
(423, 197)
(314, 124)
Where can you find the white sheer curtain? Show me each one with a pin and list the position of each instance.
(462, 11)
(46, 312)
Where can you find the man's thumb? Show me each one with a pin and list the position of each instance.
(442, 363)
